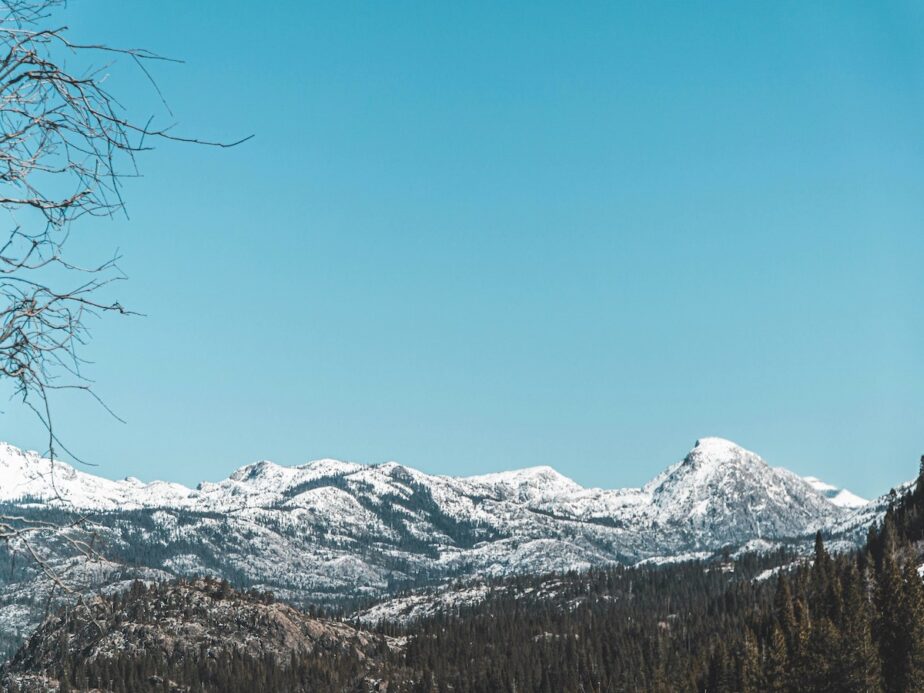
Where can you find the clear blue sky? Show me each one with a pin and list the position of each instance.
(470, 238)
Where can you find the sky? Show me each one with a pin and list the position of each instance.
(472, 237)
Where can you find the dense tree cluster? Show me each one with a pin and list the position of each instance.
(225, 672)
(649, 629)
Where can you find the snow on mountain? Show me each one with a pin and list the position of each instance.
(531, 485)
(26, 476)
(329, 530)
(839, 496)
(719, 492)
(733, 495)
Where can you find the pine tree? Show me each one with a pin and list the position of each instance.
(857, 659)
(890, 623)
(777, 667)
(912, 623)
(819, 675)
(749, 675)
(800, 659)
(722, 675)
(821, 567)
(785, 613)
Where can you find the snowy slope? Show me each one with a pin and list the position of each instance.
(839, 496)
(330, 530)
(724, 492)
(719, 493)
(26, 476)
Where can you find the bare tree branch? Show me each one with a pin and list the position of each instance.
(66, 145)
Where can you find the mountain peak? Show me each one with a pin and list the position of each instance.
(330, 466)
(540, 473)
(713, 455)
(735, 493)
(716, 442)
(252, 471)
(531, 484)
(715, 447)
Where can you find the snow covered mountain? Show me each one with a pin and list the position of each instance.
(330, 531)
(838, 496)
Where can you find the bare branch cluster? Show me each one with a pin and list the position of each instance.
(77, 535)
(66, 146)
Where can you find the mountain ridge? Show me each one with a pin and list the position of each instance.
(338, 533)
(52, 481)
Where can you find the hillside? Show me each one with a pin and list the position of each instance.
(195, 636)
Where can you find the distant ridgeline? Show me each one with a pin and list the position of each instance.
(851, 621)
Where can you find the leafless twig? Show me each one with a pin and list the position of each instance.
(66, 145)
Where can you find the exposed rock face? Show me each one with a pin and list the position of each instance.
(169, 631)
